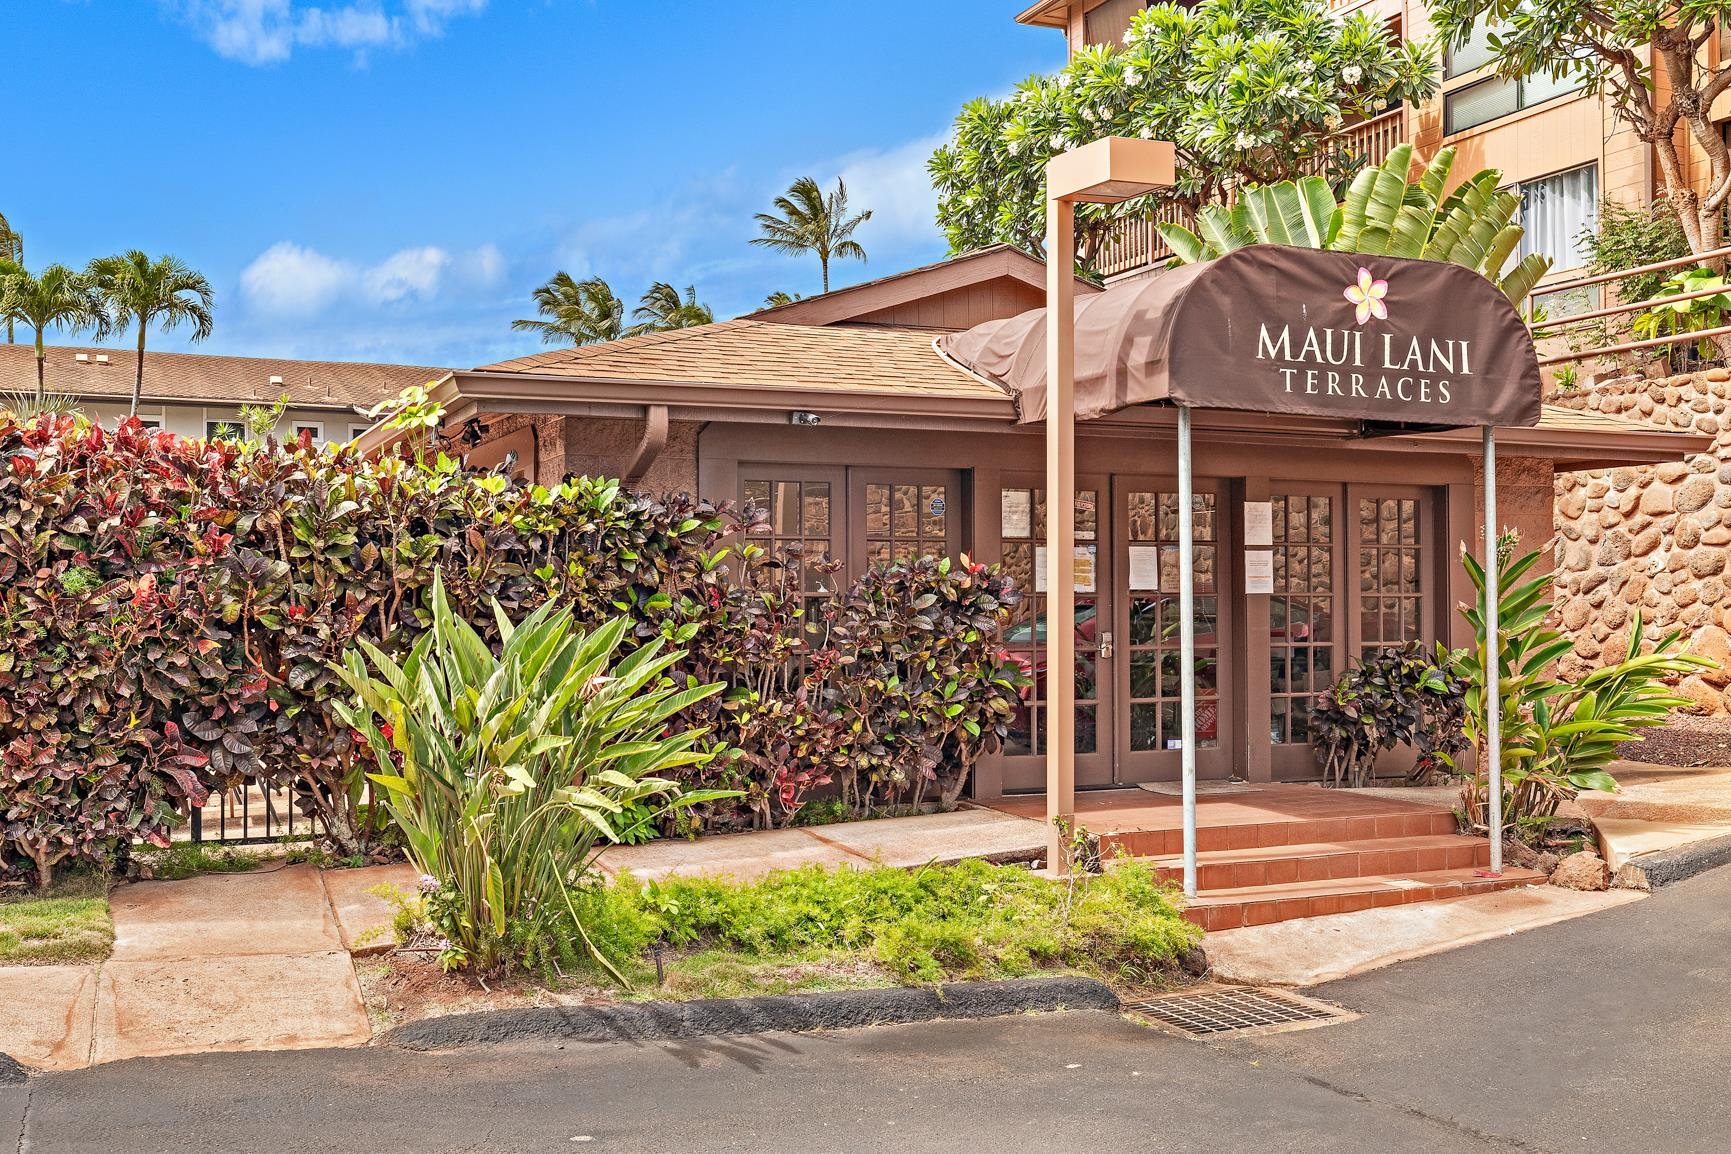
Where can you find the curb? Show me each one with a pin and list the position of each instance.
(790, 1013)
(12, 1072)
(1663, 867)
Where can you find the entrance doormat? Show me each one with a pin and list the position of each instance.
(1176, 788)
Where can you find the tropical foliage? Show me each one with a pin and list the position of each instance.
(1248, 92)
(663, 309)
(11, 249)
(1680, 318)
(1557, 737)
(172, 614)
(586, 312)
(1382, 214)
(57, 298)
(508, 773)
(137, 290)
(1648, 59)
(811, 220)
(578, 312)
(1394, 696)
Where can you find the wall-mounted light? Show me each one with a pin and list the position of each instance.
(801, 417)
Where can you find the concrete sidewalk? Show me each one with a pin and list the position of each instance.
(906, 842)
(246, 961)
(1658, 809)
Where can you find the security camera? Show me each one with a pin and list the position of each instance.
(800, 417)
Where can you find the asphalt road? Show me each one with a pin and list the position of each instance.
(1609, 1033)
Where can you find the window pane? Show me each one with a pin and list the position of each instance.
(1555, 212)
(1474, 54)
(1479, 103)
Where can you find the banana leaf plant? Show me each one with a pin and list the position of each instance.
(1382, 214)
(1557, 736)
(509, 774)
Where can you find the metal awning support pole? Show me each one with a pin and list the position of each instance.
(1059, 720)
(1187, 643)
(1493, 659)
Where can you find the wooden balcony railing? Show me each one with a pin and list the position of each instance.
(1136, 244)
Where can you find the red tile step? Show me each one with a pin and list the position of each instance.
(1325, 861)
(1423, 821)
(1233, 908)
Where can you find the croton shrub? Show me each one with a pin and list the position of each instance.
(172, 614)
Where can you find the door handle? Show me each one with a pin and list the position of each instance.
(1105, 646)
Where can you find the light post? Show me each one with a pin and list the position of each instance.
(1105, 172)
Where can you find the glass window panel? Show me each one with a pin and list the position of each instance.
(1480, 103)
(1087, 739)
(1321, 520)
(1145, 674)
(934, 509)
(1019, 563)
(877, 515)
(1087, 514)
(1277, 721)
(1144, 620)
(1300, 721)
(1086, 676)
(1555, 212)
(1014, 506)
(903, 515)
(817, 508)
(1142, 517)
(1145, 726)
(1472, 55)
(757, 493)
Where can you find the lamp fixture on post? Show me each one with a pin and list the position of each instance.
(1104, 172)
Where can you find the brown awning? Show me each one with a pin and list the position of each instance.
(1275, 329)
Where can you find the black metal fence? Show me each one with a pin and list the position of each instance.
(247, 815)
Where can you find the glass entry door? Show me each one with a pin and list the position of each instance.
(1022, 531)
(1149, 681)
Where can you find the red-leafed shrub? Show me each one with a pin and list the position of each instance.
(172, 612)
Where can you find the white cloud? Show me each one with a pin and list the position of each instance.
(292, 281)
(289, 280)
(413, 272)
(893, 183)
(259, 32)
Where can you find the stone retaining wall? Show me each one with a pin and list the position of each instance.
(1655, 538)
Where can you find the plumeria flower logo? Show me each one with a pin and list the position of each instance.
(1368, 295)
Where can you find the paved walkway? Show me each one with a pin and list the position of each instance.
(247, 961)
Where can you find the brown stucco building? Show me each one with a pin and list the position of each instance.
(840, 415)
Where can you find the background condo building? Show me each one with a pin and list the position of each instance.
(1564, 151)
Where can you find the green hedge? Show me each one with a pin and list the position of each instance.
(171, 612)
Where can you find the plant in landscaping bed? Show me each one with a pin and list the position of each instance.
(1396, 695)
(920, 686)
(1684, 317)
(938, 923)
(1557, 737)
(508, 773)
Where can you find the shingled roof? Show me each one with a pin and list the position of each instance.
(766, 355)
(196, 377)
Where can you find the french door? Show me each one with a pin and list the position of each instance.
(1148, 672)
(1022, 531)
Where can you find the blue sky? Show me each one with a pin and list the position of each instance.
(388, 179)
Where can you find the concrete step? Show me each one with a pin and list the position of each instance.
(1325, 861)
(1241, 906)
(1280, 830)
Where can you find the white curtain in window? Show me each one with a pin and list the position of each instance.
(1556, 210)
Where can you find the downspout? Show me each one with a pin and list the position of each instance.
(649, 445)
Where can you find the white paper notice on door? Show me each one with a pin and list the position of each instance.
(1145, 567)
(1083, 567)
(1018, 513)
(1259, 571)
(1258, 523)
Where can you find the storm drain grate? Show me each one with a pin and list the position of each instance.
(1217, 1010)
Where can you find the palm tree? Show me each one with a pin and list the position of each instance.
(59, 298)
(813, 222)
(12, 249)
(582, 312)
(162, 292)
(662, 309)
(778, 298)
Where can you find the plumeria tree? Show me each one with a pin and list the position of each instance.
(1248, 91)
(1649, 58)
